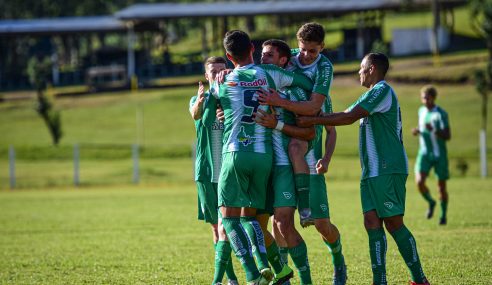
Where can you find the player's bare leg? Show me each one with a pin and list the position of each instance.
(331, 237)
(420, 179)
(297, 151)
(444, 198)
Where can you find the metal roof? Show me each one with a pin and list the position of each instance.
(62, 25)
(250, 8)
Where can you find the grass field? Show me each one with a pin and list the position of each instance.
(150, 235)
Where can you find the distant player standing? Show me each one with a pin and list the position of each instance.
(209, 133)
(384, 166)
(433, 132)
(247, 152)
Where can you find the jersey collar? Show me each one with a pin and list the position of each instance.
(307, 66)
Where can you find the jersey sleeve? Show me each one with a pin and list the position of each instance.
(283, 78)
(444, 120)
(209, 113)
(323, 79)
(376, 100)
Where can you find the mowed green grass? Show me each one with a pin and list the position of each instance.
(150, 235)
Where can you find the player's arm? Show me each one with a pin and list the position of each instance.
(270, 121)
(330, 142)
(196, 109)
(444, 134)
(307, 108)
(336, 119)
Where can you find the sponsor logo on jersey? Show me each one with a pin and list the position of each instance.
(388, 205)
(231, 83)
(256, 83)
(287, 195)
(323, 207)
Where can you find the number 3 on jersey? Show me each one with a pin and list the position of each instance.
(250, 103)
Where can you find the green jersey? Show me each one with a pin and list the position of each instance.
(281, 140)
(430, 144)
(320, 72)
(380, 134)
(239, 101)
(209, 132)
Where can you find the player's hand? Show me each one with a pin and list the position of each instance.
(219, 113)
(429, 127)
(222, 74)
(304, 121)
(322, 166)
(415, 131)
(269, 97)
(266, 119)
(201, 93)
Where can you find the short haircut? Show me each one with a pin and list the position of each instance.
(311, 32)
(281, 46)
(214, 59)
(238, 44)
(379, 60)
(429, 90)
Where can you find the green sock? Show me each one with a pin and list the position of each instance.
(273, 256)
(222, 259)
(377, 250)
(255, 236)
(300, 258)
(302, 190)
(240, 245)
(408, 250)
(427, 196)
(230, 268)
(444, 208)
(284, 254)
(336, 252)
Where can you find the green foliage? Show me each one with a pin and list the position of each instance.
(150, 235)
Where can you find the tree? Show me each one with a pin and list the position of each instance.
(39, 71)
(482, 23)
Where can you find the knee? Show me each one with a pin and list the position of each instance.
(372, 221)
(284, 223)
(296, 148)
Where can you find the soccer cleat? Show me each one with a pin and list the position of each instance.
(443, 221)
(232, 282)
(340, 274)
(305, 217)
(284, 276)
(430, 211)
(266, 276)
(425, 283)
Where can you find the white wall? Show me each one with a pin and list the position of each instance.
(417, 40)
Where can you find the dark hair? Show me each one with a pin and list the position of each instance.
(214, 59)
(311, 32)
(429, 90)
(281, 46)
(379, 60)
(238, 44)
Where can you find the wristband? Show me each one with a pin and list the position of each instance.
(280, 126)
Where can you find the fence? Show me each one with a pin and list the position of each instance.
(88, 164)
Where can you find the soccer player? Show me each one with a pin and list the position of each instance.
(433, 131)
(384, 166)
(277, 52)
(209, 133)
(318, 68)
(247, 152)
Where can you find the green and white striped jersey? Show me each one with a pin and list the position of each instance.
(380, 134)
(209, 132)
(281, 140)
(430, 144)
(320, 72)
(239, 101)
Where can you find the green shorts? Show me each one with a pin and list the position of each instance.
(318, 198)
(424, 163)
(385, 194)
(283, 187)
(207, 197)
(243, 179)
